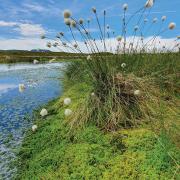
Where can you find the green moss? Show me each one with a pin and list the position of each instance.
(54, 152)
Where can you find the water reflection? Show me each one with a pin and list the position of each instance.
(42, 84)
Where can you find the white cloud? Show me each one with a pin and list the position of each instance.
(31, 29)
(7, 24)
(111, 44)
(22, 44)
(25, 29)
(37, 43)
(35, 7)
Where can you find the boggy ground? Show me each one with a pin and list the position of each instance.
(57, 150)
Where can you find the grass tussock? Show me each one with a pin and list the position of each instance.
(115, 103)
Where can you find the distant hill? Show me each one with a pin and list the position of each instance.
(40, 50)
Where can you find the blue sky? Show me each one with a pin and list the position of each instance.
(22, 21)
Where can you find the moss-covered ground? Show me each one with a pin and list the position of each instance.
(56, 152)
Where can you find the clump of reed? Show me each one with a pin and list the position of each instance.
(119, 99)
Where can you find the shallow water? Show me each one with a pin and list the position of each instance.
(42, 85)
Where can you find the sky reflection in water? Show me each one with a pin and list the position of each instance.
(42, 85)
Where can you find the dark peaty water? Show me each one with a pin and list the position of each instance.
(42, 85)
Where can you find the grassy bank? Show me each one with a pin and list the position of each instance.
(57, 150)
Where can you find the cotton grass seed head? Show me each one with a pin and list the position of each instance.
(64, 44)
(43, 36)
(155, 20)
(67, 101)
(136, 28)
(67, 21)
(73, 23)
(44, 112)
(137, 92)
(92, 94)
(125, 7)
(119, 38)
(75, 46)
(61, 33)
(67, 13)
(123, 65)
(67, 112)
(145, 20)
(172, 25)
(93, 9)
(89, 57)
(81, 21)
(149, 3)
(163, 18)
(35, 61)
(48, 44)
(21, 88)
(34, 128)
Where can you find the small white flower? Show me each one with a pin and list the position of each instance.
(81, 21)
(137, 92)
(67, 13)
(119, 38)
(67, 112)
(163, 18)
(67, 101)
(34, 128)
(125, 7)
(67, 21)
(35, 61)
(155, 20)
(136, 28)
(44, 112)
(93, 9)
(149, 3)
(172, 25)
(123, 65)
(21, 88)
(89, 57)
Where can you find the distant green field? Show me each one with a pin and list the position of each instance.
(28, 56)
